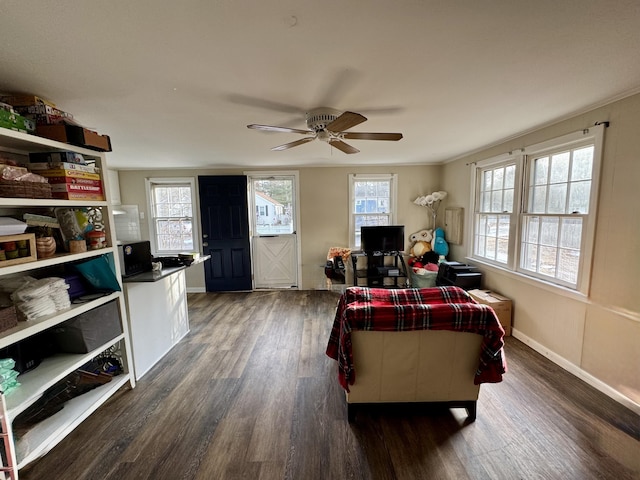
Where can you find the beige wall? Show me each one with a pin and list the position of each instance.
(597, 337)
(324, 220)
(600, 335)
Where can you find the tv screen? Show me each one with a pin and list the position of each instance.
(388, 238)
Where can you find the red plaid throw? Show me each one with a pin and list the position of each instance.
(439, 308)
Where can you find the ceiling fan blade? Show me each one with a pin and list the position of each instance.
(371, 136)
(346, 121)
(271, 128)
(262, 103)
(345, 147)
(293, 144)
(341, 82)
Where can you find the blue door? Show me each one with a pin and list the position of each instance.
(225, 232)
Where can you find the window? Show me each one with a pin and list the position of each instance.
(555, 212)
(534, 211)
(171, 220)
(494, 216)
(372, 203)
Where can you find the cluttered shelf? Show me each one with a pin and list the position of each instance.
(62, 308)
(34, 382)
(26, 329)
(30, 115)
(57, 259)
(18, 142)
(377, 269)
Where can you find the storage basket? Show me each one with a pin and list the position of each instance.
(8, 317)
(424, 281)
(15, 189)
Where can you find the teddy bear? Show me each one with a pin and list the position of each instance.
(420, 243)
(422, 256)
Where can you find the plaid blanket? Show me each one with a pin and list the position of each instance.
(439, 308)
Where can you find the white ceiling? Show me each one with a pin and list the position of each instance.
(174, 83)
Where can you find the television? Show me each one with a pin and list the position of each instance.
(387, 238)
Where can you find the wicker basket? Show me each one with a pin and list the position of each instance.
(8, 318)
(15, 189)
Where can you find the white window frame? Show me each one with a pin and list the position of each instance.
(392, 178)
(172, 181)
(490, 164)
(593, 135)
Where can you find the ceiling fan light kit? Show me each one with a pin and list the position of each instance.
(329, 125)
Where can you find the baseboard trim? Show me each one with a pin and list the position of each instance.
(196, 290)
(577, 371)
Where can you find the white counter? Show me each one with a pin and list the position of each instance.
(158, 317)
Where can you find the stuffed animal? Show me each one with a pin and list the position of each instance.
(420, 248)
(420, 243)
(438, 244)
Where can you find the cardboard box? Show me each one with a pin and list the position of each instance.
(45, 119)
(74, 181)
(44, 114)
(77, 187)
(15, 121)
(78, 196)
(39, 166)
(70, 158)
(76, 173)
(25, 100)
(501, 305)
(75, 135)
(37, 109)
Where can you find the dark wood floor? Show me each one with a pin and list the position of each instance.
(250, 394)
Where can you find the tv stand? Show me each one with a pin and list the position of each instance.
(378, 273)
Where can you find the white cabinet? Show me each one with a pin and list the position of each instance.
(158, 325)
(44, 435)
(114, 187)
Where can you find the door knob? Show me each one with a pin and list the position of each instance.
(205, 244)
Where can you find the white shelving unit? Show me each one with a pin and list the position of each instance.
(40, 438)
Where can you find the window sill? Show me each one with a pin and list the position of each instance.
(534, 282)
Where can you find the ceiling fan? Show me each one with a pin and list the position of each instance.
(329, 125)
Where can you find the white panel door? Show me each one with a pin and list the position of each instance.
(275, 262)
(273, 210)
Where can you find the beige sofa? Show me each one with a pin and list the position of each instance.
(415, 366)
(415, 345)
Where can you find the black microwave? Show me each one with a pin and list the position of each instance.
(135, 258)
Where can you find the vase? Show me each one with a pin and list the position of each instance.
(45, 247)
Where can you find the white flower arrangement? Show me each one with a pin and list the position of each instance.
(432, 202)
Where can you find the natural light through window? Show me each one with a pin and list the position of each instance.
(372, 202)
(493, 219)
(534, 210)
(172, 214)
(557, 202)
